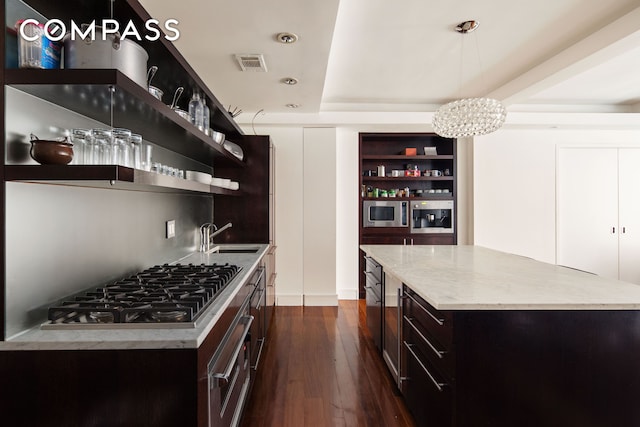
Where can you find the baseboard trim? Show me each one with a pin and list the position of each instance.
(289, 300)
(348, 294)
(321, 300)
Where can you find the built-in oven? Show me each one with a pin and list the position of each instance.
(432, 216)
(385, 213)
(229, 372)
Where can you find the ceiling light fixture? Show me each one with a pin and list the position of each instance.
(287, 38)
(290, 81)
(292, 105)
(469, 116)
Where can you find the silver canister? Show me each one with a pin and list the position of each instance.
(124, 55)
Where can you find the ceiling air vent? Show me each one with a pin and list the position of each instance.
(251, 62)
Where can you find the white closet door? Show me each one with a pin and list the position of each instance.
(588, 210)
(629, 214)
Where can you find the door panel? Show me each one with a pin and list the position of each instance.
(588, 210)
(629, 214)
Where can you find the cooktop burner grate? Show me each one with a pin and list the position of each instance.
(175, 293)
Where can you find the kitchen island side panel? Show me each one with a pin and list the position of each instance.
(548, 368)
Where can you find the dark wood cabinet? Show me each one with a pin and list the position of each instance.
(503, 368)
(388, 150)
(427, 376)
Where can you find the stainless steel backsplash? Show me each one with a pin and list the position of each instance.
(61, 240)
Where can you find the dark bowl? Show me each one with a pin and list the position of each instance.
(51, 152)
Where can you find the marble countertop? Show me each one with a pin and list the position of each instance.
(139, 338)
(477, 278)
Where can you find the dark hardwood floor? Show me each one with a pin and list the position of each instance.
(321, 368)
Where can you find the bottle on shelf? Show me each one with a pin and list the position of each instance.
(205, 114)
(196, 115)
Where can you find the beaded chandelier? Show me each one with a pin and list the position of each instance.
(469, 116)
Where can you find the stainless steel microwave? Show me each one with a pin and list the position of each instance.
(385, 213)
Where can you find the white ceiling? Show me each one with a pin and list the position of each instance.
(404, 56)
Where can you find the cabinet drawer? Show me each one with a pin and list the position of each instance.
(373, 284)
(434, 324)
(428, 395)
(442, 359)
(372, 269)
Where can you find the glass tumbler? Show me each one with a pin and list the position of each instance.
(146, 157)
(121, 153)
(81, 139)
(136, 143)
(102, 138)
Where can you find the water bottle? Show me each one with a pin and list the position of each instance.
(196, 115)
(205, 115)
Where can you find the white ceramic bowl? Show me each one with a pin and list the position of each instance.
(202, 177)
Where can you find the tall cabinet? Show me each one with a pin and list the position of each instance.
(599, 211)
(409, 161)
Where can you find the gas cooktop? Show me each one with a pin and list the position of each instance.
(169, 295)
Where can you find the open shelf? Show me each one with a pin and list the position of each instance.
(89, 92)
(404, 157)
(407, 178)
(429, 196)
(173, 69)
(109, 176)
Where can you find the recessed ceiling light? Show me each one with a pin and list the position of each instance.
(287, 38)
(292, 105)
(290, 81)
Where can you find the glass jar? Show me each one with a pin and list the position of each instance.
(103, 145)
(122, 152)
(81, 139)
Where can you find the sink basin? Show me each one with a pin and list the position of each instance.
(233, 249)
(237, 250)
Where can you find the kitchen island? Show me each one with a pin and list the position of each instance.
(494, 339)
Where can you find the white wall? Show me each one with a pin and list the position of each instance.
(515, 186)
(348, 211)
(289, 213)
(319, 216)
(305, 214)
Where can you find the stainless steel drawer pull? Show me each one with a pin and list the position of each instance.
(377, 281)
(259, 304)
(369, 288)
(438, 385)
(369, 273)
(438, 321)
(223, 377)
(255, 367)
(438, 353)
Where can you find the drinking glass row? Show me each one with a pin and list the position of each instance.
(117, 146)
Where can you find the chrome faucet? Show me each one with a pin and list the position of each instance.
(206, 236)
